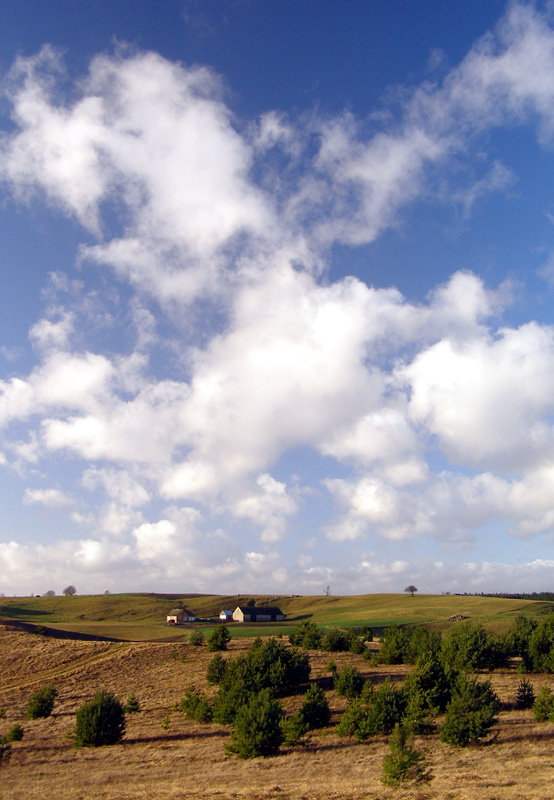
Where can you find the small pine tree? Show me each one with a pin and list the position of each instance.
(306, 635)
(348, 682)
(204, 710)
(525, 694)
(132, 706)
(543, 705)
(376, 711)
(196, 705)
(41, 703)
(219, 639)
(404, 764)
(257, 727)
(99, 722)
(294, 728)
(335, 640)
(197, 638)
(216, 669)
(471, 712)
(315, 711)
(15, 733)
(357, 645)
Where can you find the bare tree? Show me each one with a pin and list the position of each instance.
(327, 591)
(69, 590)
(50, 593)
(411, 589)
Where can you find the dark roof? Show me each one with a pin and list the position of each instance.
(175, 611)
(260, 610)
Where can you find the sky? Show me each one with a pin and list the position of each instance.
(276, 296)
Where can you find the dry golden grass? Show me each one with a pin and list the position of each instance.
(187, 760)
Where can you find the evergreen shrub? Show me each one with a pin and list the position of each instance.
(100, 721)
(471, 712)
(15, 733)
(219, 639)
(315, 711)
(197, 638)
(132, 706)
(404, 764)
(525, 694)
(348, 682)
(257, 727)
(294, 728)
(543, 706)
(41, 703)
(216, 669)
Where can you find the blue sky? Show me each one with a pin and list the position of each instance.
(276, 284)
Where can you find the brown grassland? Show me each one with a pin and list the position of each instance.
(180, 759)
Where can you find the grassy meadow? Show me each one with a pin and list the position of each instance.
(141, 617)
(164, 756)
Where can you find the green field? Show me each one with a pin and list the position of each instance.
(141, 617)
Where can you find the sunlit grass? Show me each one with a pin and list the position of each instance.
(141, 617)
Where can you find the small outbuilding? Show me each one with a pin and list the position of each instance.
(178, 616)
(226, 615)
(258, 614)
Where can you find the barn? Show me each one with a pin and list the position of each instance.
(258, 614)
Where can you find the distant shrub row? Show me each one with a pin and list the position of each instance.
(310, 637)
(470, 647)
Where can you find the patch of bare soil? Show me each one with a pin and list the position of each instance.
(163, 756)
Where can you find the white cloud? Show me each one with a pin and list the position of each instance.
(47, 334)
(290, 369)
(63, 380)
(497, 179)
(119, 485)
(157, 540)
(268, 508)
(151, 135)
(487, 400)
(51, 498)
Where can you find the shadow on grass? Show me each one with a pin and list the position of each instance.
(545, 736)
(56, 633)
(18, 611)
(315, 747)
(172, 737)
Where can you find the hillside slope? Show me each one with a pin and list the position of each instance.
(141, 617)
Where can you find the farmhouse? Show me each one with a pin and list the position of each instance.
(226, 615)
(257, 614)
(178, 616)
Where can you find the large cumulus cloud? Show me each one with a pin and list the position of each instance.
(427, 419)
